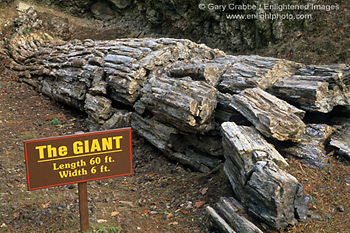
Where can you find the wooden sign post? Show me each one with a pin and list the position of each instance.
(77, 159)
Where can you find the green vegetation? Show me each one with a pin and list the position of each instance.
(26, 31)
(55, 122)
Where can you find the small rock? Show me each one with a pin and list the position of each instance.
(340, 208)
(127, 203)
(314, 216)
(313, 207)
(101, 220)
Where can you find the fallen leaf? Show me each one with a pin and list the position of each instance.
(204, 191)
(173, 223)
(46, 205)
(184, 211)
(114, 213)
(145, 212)
(199, 204)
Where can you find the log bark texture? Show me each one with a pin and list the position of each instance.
(271, 116)
(227, 210)
(341, 141)
(255, 71)
(316, 88)
(311, 148)
(255, 170)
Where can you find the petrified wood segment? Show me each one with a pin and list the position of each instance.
(266, 190)
(255, 71)
(218, 221)
(341, 141)
(316, 88)
(204, 70)
(311, 148)
(273, 117)
(186, 104)
(227, 210)
(174, 144)
(275, 196)
(245, 146)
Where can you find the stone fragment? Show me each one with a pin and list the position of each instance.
(120, 119)
(273, 117)
(98, 108)
(171, 142)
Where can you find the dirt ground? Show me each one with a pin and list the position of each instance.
(161, 195)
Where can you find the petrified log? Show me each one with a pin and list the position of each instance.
(186, 104)
(255, 71)
(311, 148)
(273, 117)
(316, 88)
(267, 191)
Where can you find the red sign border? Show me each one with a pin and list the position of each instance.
(72, 136)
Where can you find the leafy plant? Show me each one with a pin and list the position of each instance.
(55, 122)
(26, 31)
